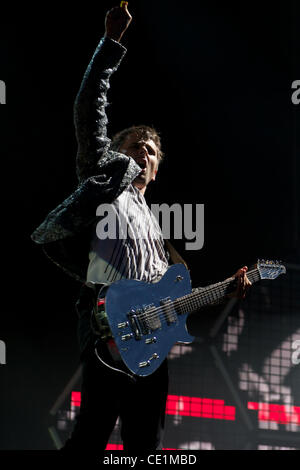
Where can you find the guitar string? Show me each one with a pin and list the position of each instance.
(194, 297)
(193, 301)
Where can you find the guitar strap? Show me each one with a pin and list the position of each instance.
(174, 255)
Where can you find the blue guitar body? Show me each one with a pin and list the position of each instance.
(143, 320)
(146, 320)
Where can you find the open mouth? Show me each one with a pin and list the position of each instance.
(143, 166)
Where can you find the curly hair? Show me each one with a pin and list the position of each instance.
(142, 132)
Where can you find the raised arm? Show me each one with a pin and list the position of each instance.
(89, 108)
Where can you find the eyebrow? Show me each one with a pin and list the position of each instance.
(152, 147)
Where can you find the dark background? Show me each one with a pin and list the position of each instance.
(215, 80)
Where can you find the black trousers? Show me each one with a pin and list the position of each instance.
(107, 395)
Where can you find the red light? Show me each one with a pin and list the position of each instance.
(114, 447)
(187, 406)
(75, 399)
(199, 407)
(183, 406)
(120, 447)
(281, 414)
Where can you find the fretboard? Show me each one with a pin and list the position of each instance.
(204, 296)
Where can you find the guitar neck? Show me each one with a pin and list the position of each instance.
(211, 294)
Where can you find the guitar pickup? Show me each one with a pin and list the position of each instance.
(151, 319)
(168, 310)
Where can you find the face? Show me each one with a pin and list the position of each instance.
(145, 154)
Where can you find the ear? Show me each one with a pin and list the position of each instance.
(154, 175)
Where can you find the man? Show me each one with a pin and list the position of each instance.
(117, 173)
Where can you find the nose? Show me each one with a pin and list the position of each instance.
(142, 150)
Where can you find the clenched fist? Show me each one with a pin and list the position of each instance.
(117, 21)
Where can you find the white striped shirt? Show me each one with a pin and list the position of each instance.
(138, 252)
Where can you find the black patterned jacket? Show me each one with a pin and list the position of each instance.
(103, 174)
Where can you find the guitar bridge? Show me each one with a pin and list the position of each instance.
(144, 321)
(136, 325)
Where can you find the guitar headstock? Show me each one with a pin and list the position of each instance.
(269, 269)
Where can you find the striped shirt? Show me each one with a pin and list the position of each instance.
(132, 247)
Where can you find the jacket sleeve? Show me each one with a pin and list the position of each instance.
(89, 108)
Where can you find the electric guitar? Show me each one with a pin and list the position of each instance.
(146, 320)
